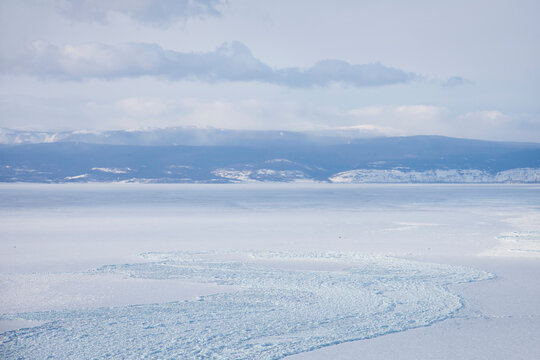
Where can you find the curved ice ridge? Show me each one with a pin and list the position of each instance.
(278, 304)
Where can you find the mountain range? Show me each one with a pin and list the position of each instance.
(191, 155)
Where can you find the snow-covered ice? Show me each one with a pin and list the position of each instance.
(264, 271)
(516, 243)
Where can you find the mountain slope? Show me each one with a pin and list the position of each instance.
(400, 159)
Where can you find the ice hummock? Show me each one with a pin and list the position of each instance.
(277, 304)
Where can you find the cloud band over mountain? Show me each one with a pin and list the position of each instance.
(230, 62)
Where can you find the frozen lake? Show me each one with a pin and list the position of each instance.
(269, 270)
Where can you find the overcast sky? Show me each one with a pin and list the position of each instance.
(457, 68)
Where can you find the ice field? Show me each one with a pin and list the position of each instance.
(273, 312)
(268, 271)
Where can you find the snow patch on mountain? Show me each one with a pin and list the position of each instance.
(280, 161)
(112, 170)
(76, 177)
(235, 175)
(519, 175)
(246, 175)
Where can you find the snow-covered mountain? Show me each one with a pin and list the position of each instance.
(236, 156)
(188, 136)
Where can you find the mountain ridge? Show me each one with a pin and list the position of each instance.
(193, 136)
(390, 159)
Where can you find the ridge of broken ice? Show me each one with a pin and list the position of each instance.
(274, 307)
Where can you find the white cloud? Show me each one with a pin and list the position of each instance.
(366, 112)
(229, 62)
(496, 125)
(265, 114)
(159, 13)
(400, 120)
(437, 120)
(152, 112)
(418, 112)
(486, 117)
(142, 107)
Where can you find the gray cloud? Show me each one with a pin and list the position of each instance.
(456, 81)
(230, 62)
(159, 13)
(328, 71)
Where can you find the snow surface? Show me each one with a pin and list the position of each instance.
(517, 243)
(70, 267)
